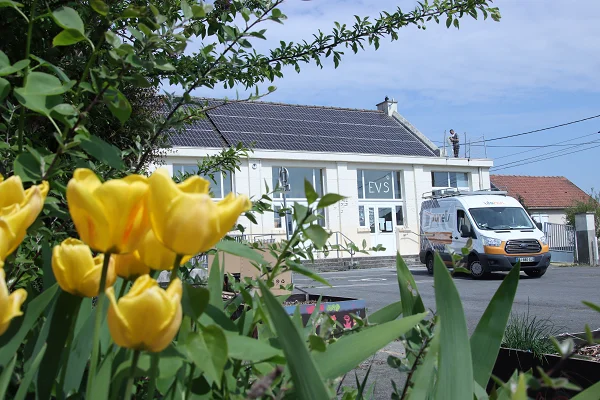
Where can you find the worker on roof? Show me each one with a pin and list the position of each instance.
(454, 141)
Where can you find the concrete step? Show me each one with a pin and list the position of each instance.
(360, 263)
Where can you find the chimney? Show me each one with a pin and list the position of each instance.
(388, 106)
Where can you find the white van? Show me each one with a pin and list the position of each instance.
(501, 231)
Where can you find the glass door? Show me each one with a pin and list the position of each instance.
(381, 222)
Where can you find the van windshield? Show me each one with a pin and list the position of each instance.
(493, 218)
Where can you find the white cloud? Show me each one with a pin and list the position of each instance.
(538, 45)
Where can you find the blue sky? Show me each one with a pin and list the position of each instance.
(535, 68)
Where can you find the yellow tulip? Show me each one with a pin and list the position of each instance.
(147, 317)
(129, 266)
(111, 216)
(10, 304)
(154, 254)
(77, 271)
(185, 218)
(18, 210)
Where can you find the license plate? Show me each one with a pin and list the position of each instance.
(526, 259)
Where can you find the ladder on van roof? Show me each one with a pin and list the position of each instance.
(453, 192)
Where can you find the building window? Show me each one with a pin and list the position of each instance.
(378, 184)
(459, 180)
(220, 187)
(380, 200)
(296, 177)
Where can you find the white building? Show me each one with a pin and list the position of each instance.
(377, 159)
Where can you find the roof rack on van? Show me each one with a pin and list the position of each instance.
(452, 192)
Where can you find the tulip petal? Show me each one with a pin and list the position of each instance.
(123, 201)
(194, 184)
(88, 215)
(129, 265)
(11, 191)
(118, 326)
(10, 305)
(163, 191)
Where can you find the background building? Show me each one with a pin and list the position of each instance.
(376, 158)
(546, 197)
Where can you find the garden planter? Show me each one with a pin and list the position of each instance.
(581, 372)
(339, 308)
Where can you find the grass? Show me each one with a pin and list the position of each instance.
(530, 333)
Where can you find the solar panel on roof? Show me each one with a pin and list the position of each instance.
(303, 128)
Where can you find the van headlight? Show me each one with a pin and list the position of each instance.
(544, 240)
(491, 242)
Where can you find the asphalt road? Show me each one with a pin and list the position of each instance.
(556, 296)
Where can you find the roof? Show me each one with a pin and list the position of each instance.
(540, 191)
(276, 126)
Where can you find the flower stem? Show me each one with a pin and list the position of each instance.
(97, 325)
(136, 357)
(175, 269)
(188, 390)
(153, 375)
(122, 290)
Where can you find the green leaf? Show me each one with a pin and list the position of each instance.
(591, 305)
(118, 104)
(487, 338)
(317, 235)
(4, 88)
(455, 369)
(10, 3)
(240, 249)
(29, 374)
(194, 300)
(7, 69)
(63, 318)
(4, 61)
(409, 294)
(215, 283)
(329, 199)
(57, 71)
(448, 21)
(81, 350)
(349, 351)
(101, 385)
(198, 11)
(163, 65)
(67, 18)
(28, 167)
(591, 393)
(66, 109)
(18, 330)
(41, 92)
(5, 377)
(248, 349)
(317, 343)
(100, 7)
(208, 349)
(309, 191)
(101, 150)
(386, 314)
(187, 10)
(67, 37)
(308, 382)
(423, 377)
(301, 269)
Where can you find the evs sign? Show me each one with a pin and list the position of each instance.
(378, 184)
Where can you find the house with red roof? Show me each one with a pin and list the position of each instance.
(546, 197)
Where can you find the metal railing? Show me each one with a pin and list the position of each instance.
(560, 237)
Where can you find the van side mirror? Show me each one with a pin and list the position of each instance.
(465, 231)
(539, 225)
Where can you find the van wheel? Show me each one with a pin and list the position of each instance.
(429, 264)
(477, 269)
(535, 273)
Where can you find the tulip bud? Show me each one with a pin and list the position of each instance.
(18, 210)
(77, 271)
(154, 254)
(110, 217)
(147, 317)
(129, 266)
(185, 218)
(10, 304)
